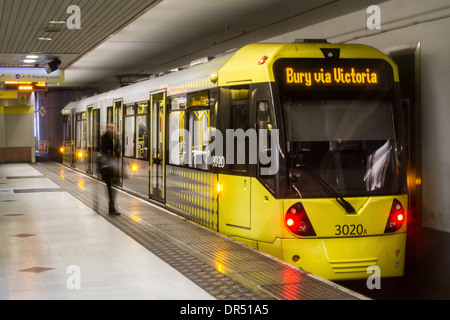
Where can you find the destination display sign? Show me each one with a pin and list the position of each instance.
(25, 86)
(333, 74)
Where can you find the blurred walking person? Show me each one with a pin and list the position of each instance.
(107, 165)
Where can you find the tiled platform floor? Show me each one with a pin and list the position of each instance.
(55, 229)
(49, 240)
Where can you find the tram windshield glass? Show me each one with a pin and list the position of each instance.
(349, 145)
(342, 142)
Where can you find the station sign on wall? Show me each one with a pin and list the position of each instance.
(31, 74)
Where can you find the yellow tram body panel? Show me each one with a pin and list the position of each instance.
(348, 258)
(345, 245)
(248, 212)
(244, 66)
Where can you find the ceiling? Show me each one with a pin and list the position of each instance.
(129, 39)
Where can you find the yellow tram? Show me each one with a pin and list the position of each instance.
(294, 149)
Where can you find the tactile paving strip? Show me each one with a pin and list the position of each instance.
(224, 268)
(38, 190)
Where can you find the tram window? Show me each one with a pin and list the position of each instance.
(78, 131)
(199, 138)
(177, 140)
(239, 108)
(265, 125)
(177, 103)
(95, 134)
(265, 148)
(142, 131)
(109, 115)
(135, 131)
(129, 110)
(129, 128)
(189, 121)
(81, 130)
(66, 122)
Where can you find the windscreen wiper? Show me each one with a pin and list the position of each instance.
(327, 188)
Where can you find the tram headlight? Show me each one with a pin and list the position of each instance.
(297, 221)
(396, 217)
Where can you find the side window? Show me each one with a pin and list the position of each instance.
(264, 124)
(96, 134)
(189, 125)
(141, 143)
(66, 124)
(177, 139)
(81, 130)
(135, 140)
(109, 115)
(199, 137)
(129, 127)
(198, 127)
(239, 122)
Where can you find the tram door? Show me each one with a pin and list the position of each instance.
(73, 122)
(89, 140)
(157, 139)
(117, 152)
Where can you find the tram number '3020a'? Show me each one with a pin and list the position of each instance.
(349, 230)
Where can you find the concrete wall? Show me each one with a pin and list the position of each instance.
(17, 129)
(404, 24)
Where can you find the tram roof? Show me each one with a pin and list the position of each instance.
(241, 67)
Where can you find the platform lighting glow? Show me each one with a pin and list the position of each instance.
(80, 154)
(134, 167)
(31, 56)
(18, 82)
(29, 61)
(219, 187)
(220, 268)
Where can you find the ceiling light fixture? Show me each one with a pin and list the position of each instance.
(29, 61)
(57, 21)
(31, 56)
(45, 39)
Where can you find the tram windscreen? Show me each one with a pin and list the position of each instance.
(341, 139)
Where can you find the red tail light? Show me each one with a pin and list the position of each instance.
(396, 217)
(297, 221)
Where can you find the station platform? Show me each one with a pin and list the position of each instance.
(58, 242)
